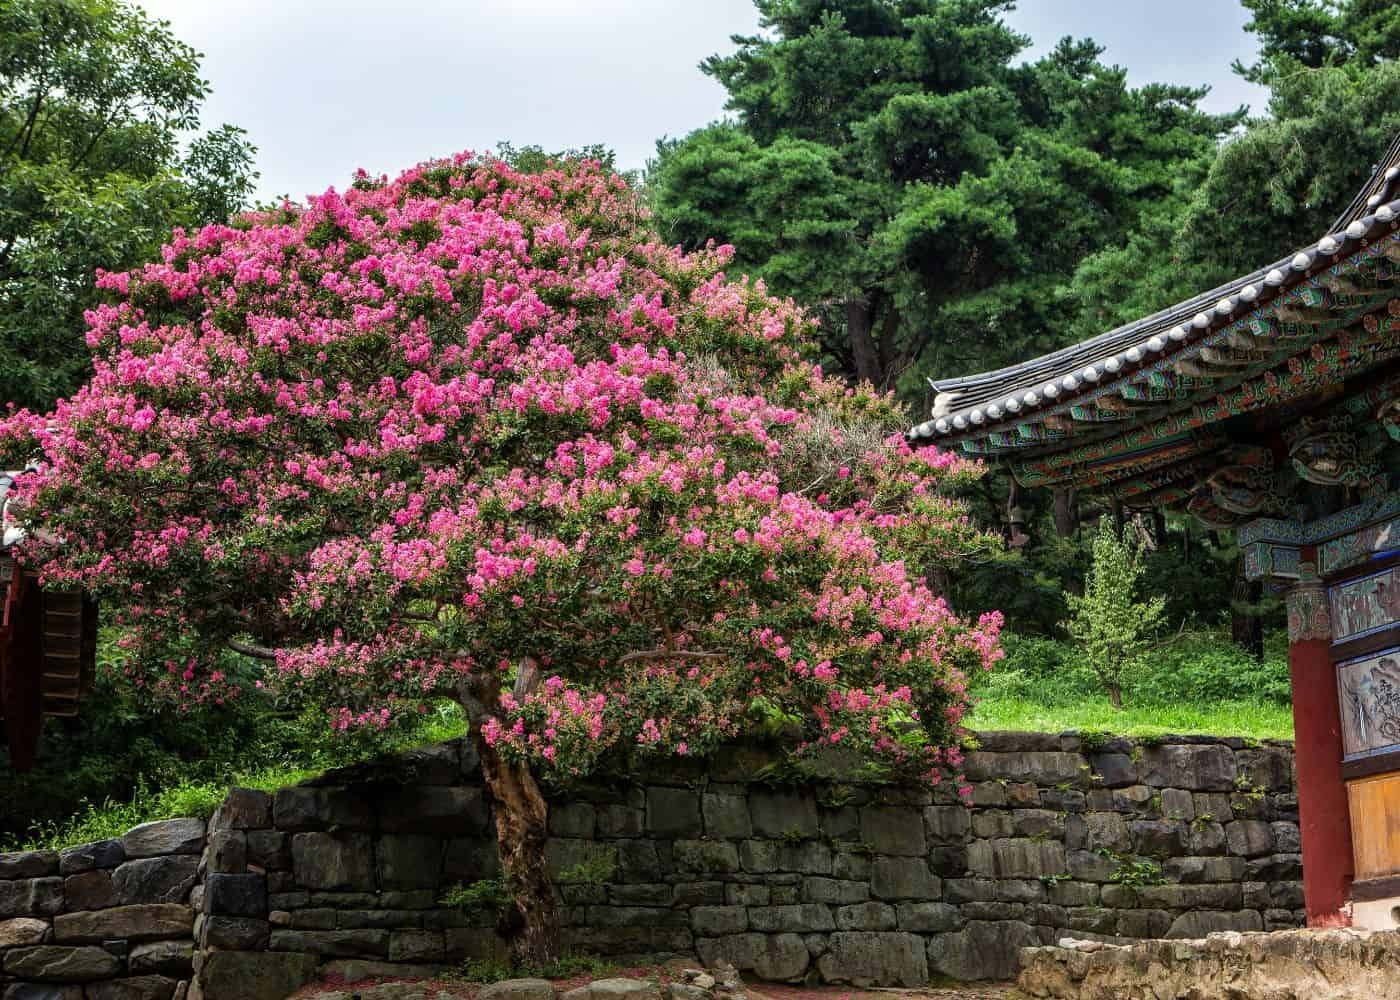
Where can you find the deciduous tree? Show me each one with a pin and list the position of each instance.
(478, 433)
(96, 104)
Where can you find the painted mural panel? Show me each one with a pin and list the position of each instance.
(1365, 605)
(1369, 694)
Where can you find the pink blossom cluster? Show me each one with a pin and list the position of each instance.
(414, 433)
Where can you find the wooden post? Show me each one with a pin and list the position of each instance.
(1323, 814)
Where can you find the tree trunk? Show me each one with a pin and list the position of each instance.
(521, 830)
(522, 825)
(1066, 513)
(1246, 625)
(864, 352)
(1115, 694)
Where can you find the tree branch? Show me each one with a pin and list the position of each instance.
(252, 649)
(669, 654)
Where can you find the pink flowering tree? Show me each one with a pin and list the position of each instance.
(477, 434)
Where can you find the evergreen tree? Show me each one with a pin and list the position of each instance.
(891, 166)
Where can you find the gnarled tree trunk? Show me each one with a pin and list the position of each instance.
(522, 827)
(521, 830)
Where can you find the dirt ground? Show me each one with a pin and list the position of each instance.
(448, 989)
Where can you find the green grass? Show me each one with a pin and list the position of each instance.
(1252, 719)
(197, 799)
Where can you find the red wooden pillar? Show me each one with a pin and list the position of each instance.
(1324, 817)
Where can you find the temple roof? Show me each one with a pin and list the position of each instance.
(1146, 412)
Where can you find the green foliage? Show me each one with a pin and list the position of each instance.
(1136, 872)
(126, 760)
(566, 966)
(598, 868)
(894, 167)
(1197, 682)
(1112, 627)
(95, 101)
(485, 895)
(1334, 107)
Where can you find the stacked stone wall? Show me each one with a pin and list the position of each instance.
(104, 921)
(834, 881)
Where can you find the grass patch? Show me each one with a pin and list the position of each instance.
(1256, 720)
(486, 971)
(199, 798)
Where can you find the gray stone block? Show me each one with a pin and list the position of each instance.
(174, 958)
(981, 950)
(58, 964)
(780, 813)
(834, 891)
(408, 861)
(1115, 770)
(620, 821)
(86, 857)
(416, 946)
(799, 918)
(870, 916)
(227, 852)
(90, 890)
(904, 878)
(573, 819)
(28, 864)
(1208, 768)
(1202, 922)
(235, 895)
(145, 922)
(781, 958)
(866, 958)
(235, 933)
(36, 897)
(1158, 837)
(362, 942)
(717, 921)
(247, 975)
(149, 987)
(710, 856)
(1090, 866)
(947, 824)
(807, 857)
(1016, 858)
(894, 830)
(170, 836)
(243, 809)
(451, 810)
(165, 879)
(1046, 769)
(332, 860)
(726, 816)
(269, 849)
(926, 918)
(696, 894)
(1249, 838)
(673, 812)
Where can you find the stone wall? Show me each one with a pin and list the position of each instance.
(834, 881)
(104, 921)
(1288, 965)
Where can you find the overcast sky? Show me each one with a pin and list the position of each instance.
(325, 86)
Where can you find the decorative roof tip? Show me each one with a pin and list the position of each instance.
(985, 399)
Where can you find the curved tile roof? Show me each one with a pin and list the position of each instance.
(975, 404)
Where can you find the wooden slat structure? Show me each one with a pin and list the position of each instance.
(1271, 406)
(48, 651)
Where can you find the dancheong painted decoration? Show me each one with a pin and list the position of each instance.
(48, 647)
(1269, 406)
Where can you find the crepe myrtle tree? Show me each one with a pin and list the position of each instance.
(476, 433)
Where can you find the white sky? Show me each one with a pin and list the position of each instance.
(325, 86)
